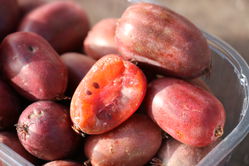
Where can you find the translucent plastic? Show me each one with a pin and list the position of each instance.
(228, 81)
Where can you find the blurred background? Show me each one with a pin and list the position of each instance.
(227, 19)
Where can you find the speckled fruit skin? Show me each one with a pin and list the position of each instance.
(162, 39)
(32, 66)
(78, 65)
(44, 129)
(100, 39)
(110, 93)
(188, 113)
(63, 24)
(133, 143)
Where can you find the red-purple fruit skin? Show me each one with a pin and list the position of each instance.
(9, 106)
(78, 65)
(62, 163)
(200, 83)
(167, 42)
(174, 153)
(188, 113)
(134, 143)
(100, 39)
(11, 140)
(32, 66)
(44, 129)
(9, 17)
(63, 24)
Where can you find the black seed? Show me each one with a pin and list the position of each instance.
(88, 92)
(96, 85)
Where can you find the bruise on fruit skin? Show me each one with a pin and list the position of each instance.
(105, 113)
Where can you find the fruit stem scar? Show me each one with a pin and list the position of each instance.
(96, 85)
(218, 131)
(156, 162)
(23, 129)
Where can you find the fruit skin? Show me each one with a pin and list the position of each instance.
(63, 24)
(62, 163)
(9, 17)
(110, 93)
(188, 113)
(28, 5)
(174, 153)
(11, 140)
(78, 65)
(100, 39)
(32, 66)
(164, 40)
(10, 105)
(44, 129)
(200, 83)
(134, 143)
